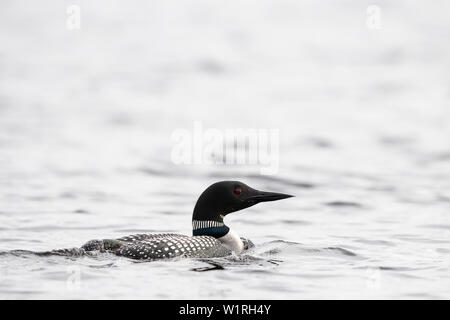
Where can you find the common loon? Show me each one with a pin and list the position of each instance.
(211, 237)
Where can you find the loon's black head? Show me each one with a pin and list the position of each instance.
(224, 197)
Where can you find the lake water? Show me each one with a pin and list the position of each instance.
(363, 111)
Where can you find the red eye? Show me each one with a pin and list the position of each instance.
(238, 191)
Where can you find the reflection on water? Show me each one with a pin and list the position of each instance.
(86, 118)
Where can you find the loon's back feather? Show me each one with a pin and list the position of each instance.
(151, 236)
(158, 246)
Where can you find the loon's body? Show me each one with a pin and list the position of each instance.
(161, 246)
(211, 237)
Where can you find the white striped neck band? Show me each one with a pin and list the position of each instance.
(202, 224)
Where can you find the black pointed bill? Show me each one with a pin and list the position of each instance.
(262, 196)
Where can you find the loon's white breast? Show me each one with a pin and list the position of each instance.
(233, 242)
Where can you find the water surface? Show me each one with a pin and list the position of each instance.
(86, 118)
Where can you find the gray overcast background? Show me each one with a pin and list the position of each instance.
(86, 118)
